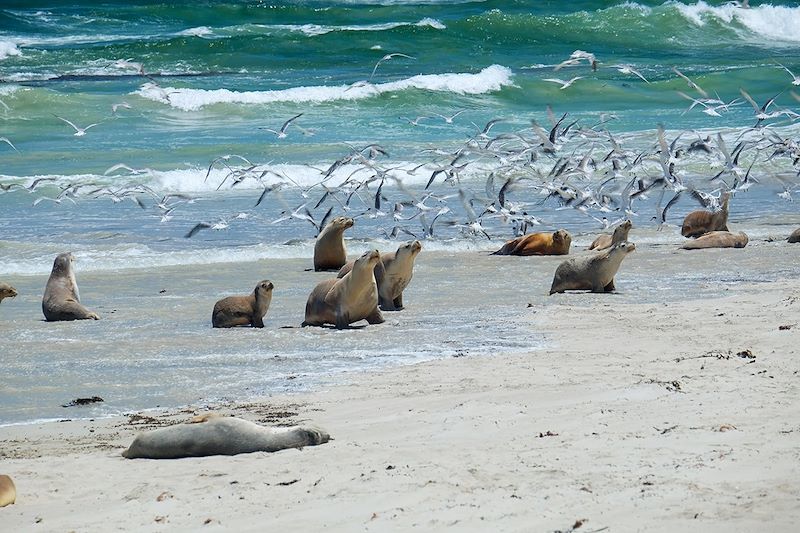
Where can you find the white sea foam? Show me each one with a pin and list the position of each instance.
(8, 49)
(200, 31)
(779, 23)
(490, 79)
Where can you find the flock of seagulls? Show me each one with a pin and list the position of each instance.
(494, 180)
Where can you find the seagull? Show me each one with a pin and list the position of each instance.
(795, 79)
(692, 85)
(124, 105)
(629, 69)
(588, 56)
(387, 57)
(79, 132)
(280, 134)
(564, 84)
(5, 140)
(449, 120)
(416, 121)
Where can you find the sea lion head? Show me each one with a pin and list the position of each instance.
(264, 287)
(63, 263)
(7, 291)
(411, 248)
(341, 223)
(626, 226)
(367, 260)
(624, 247)
(562, 238)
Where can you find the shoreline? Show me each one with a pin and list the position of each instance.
(673, 428)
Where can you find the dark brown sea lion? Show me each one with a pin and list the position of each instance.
(216, 435)
(594, 272)
(392, 274)
(7, 291)
(795, 236)
(718, 239)
(243, 310)
(556, 243)
(61, 300)
(700, 222)
(607, 241)
(342, 301)
(329, 250)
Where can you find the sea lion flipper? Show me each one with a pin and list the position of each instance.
(342, 320)
(610, 287)
(376, 317)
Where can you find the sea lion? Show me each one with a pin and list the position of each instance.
(718, 239)
(220, 436)
(795, 236)
(700, 222)
(392, 274)
(8, 492)
(342, 301)
(607, 241)
(243, 310)
(593, 272)
(7, 291)
(61, 300)
(556, 243)
(329, 250)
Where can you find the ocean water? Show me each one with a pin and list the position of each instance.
(186, 106)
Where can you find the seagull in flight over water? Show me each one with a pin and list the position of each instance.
(280, 134)
(79, 132)
(387, 57)
(564, 84)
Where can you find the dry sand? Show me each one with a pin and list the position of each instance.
(681, 416)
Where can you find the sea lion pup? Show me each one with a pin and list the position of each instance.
(61, 300)
(795, 236)
(342, 301)
(718, 239)
(8, 492)
(607, 241)
(217, 435)
(7, 291)
(329, 250)
(243, 310)
(697, 223)
(556, 243)
(392, 274)
(593, 272)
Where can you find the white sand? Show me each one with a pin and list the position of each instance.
(638, 417)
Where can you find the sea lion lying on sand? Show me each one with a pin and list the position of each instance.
(795, 236)
(556, 243)
(342, 301)
(392, 274)
(8, 492)
(718, 239)
(243, 310)
(607, 241)
(329, 250)
(61, 300)
(593, 272)
(701, 222)
(7, 291)
(217, 435)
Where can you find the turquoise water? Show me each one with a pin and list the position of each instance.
(182, 99)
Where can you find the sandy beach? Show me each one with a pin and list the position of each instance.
(677, 416)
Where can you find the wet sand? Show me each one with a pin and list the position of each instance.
(668, 414)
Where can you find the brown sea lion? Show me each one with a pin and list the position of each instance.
(342, 301)
(7, 291)
(795, 236)
(392, 274)
(219, 435)
(8, 492)
(607, 241)
(556, 243)
(594, 272)
(700, 222)
(61, 300)
(329, 250)
(243, 310)
(718, 239)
